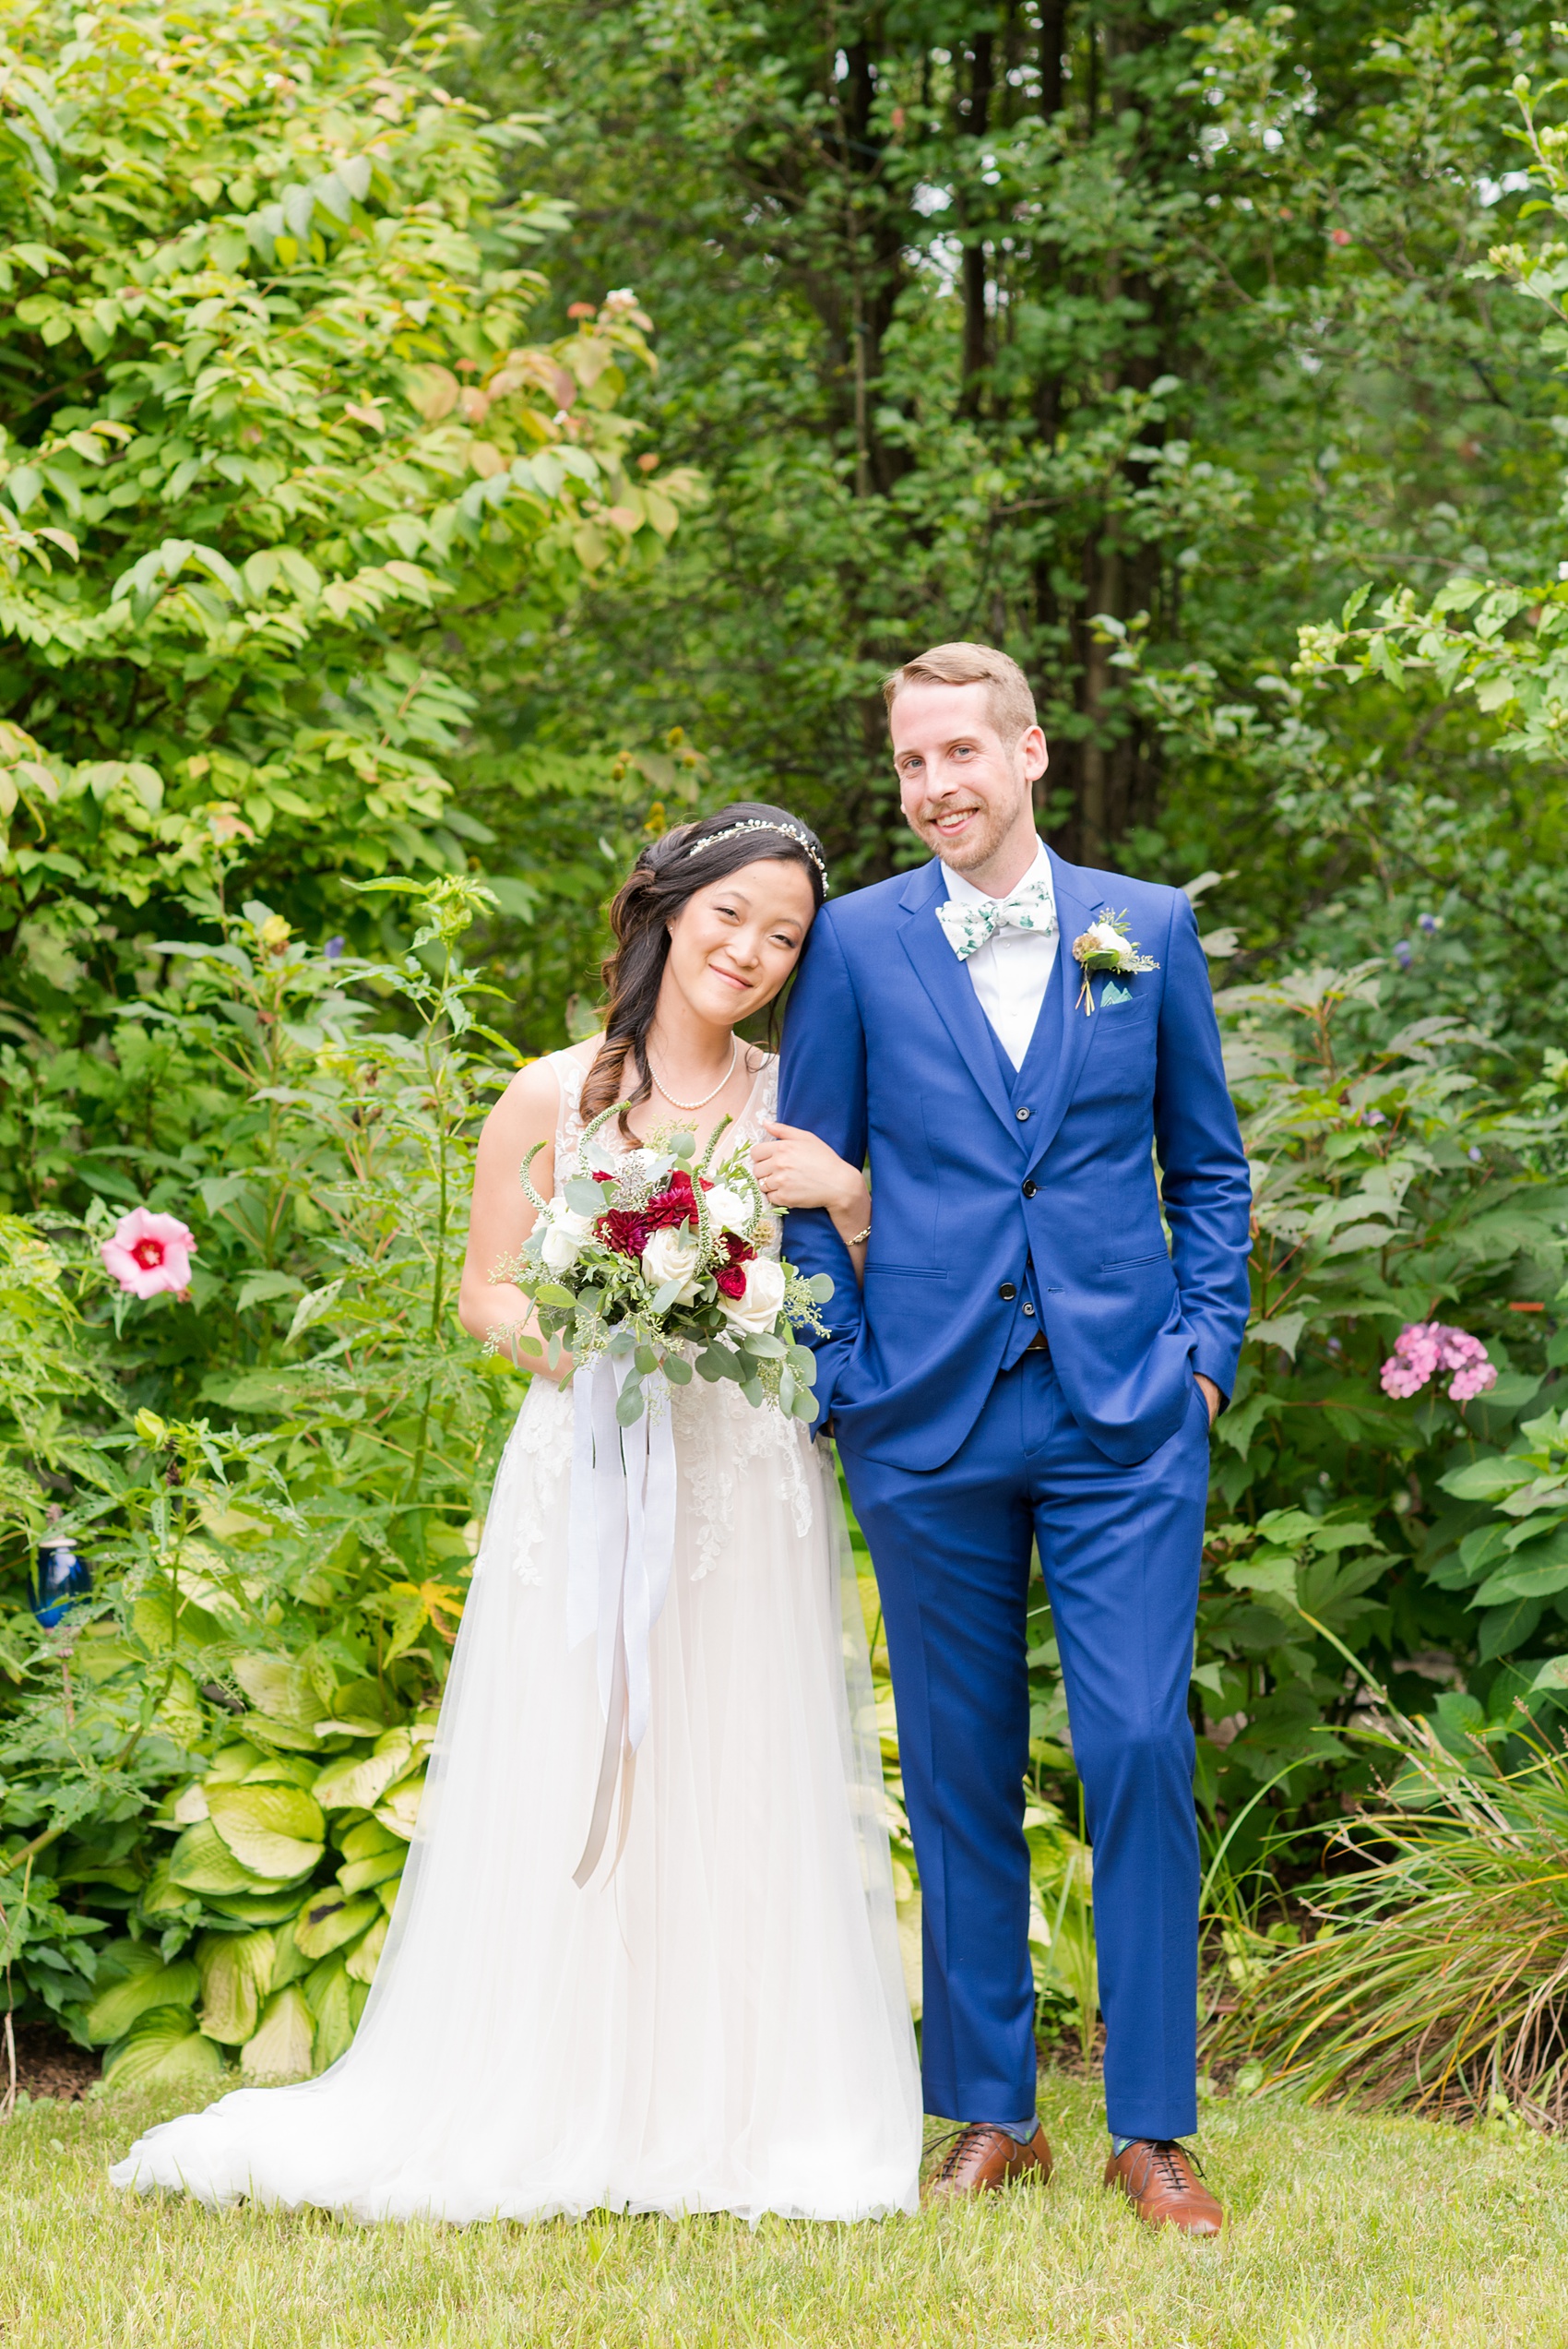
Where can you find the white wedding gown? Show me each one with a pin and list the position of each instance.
(723, 2025)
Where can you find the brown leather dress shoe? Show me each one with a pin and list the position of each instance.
(1158, 2179)
(978, 2158)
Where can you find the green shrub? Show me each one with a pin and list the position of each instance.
(211, 1771)
(1437, 1976)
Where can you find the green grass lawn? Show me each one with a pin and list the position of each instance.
(1343, 2230)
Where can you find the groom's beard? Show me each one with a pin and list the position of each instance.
(976, 846)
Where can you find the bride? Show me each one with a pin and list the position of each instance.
(719, 2022)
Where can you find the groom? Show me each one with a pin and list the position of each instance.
(1028, 1361)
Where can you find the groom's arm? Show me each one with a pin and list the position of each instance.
(1204, 1183)
(822, 1086)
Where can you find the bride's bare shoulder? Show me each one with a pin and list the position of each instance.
(526, 1112)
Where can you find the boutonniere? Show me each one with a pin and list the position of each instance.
(1105, 946)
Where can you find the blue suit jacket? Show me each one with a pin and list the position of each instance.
(888, 1056)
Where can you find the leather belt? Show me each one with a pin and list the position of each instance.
(1038, 1343)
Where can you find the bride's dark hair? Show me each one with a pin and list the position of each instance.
(668, 872)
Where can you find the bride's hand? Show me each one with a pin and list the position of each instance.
(797, 1169)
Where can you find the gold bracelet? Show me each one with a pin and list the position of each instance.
(860, 1239)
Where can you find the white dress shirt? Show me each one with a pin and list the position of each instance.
(1013, 969)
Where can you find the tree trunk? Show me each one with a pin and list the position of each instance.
(976, 324)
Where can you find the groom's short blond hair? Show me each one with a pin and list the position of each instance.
(1010, 703)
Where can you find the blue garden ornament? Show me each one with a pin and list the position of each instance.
(64, 1577)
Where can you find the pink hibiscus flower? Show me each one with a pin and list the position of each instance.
(149, 1253)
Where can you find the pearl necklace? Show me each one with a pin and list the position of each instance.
(734, 1054)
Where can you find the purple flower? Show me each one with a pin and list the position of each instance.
(1427, 921)
(1474, 1154)
(333, 948)
(1374, 1117)
(1404, 954)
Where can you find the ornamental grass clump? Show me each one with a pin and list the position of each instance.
(1438, 1978)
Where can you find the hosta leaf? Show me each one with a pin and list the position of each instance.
(330, 1919)
(357, 1782)
(256, 1908)
(400, 1811)
(161, 1896)
(326, 1992)
(277, 1832)
(361, 1842)
(281, 2045)
(282, 1692)
(202, 1862)
(161, 2048)
(358, 1876)
(146, 1984)
(236, 1974)
(364, 1960)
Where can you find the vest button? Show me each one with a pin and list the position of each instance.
(1022, 1116)
(1030, 1310)
(1029, 1189)
(1007, 1291)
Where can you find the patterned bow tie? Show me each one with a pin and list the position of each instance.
(967, 927)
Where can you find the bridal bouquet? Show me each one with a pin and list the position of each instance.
(655, 1259)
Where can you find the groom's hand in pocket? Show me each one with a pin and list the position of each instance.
(1210, 1394)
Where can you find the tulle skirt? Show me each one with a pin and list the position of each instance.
(723, 2025)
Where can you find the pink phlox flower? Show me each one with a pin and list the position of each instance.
(149, 1253)
(1424, 1348)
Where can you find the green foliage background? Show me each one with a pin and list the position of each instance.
(367, 592)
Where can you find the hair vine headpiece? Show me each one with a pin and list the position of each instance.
(761, 824)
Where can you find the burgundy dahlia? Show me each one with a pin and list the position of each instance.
(730, 1278)
(675, 1204)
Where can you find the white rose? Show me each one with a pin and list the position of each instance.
(565, 1234)
(757, 1307)
(730, 1211)
(1103, 940)
(673, 1256)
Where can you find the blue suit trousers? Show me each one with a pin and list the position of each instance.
(1121, 1548)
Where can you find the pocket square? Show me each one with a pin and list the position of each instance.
(1113, 993)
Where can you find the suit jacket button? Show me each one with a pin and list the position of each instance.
(1029, 1189)
(1022, 1116)
(1007, 1291)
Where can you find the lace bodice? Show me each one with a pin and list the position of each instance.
(761, 1103)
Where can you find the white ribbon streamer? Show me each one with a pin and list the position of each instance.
(620, 1549)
